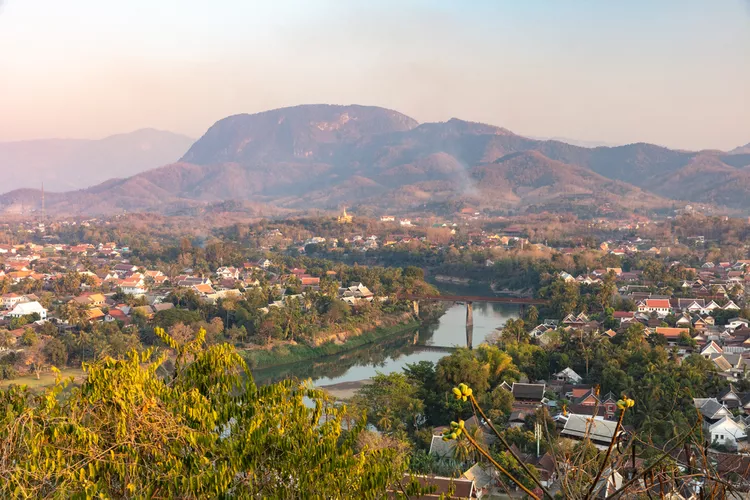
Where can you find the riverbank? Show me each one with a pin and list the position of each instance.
(294, 353)
(345, 390)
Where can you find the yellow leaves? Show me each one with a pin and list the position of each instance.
(462, 392)
(456, 429)
(137, 433)
(625, 403)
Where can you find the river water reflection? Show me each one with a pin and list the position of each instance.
(394, 353)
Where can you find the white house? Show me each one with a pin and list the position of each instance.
(11, 300)
(568, 375)
(736, 323)
(731, 306)
(712, 306)
(27, 308)
(726, 432)
(661, 307)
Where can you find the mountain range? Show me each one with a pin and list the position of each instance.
(326, 156)
(70, 164)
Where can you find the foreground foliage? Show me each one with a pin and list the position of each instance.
(202, 431)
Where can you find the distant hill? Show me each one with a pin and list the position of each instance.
(68, 164)
(324, 156)
(742, 149)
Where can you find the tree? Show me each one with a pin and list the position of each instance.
(532, 317)
(514, 330)
(607, 291)
(35, 359)
(28, 338)
(390, 403)
(462, 366)
(74, 314)
(500, 404)
(128, 432)
(55, 352)
(563, 296)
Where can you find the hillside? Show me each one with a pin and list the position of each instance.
(69, 164)
(742, 149)
(324, 156)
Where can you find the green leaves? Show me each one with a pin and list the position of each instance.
(204, 431)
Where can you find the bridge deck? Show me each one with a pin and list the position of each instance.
(473, 298)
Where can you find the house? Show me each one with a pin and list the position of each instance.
(735, 323)
(566, 277)
(355, 293)
(91, 299)
(528, 394)
(684, 321)
(671, 334)
(711, 409)
(712, 306)
(10, 300)
(517, 418)
(124, 269)
(730, 397)
(579, 427)
(483, 476)
(710, 349)
(700, 325)
(228, 273)
(264, 263)
(568, 375)
(690, 305)
(731, 306)
(726, 432)
(609, 483)
(624, 316)
(442, 487)
(26, 308)
(589, 403)
(116, 315)
(95, 314)
(661, 307)
(204, 289)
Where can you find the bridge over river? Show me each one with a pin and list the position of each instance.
(469, 300)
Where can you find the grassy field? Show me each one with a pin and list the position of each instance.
(44, 380)
(286, 354)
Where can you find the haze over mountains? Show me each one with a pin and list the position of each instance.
(69, 164)
(325, 156)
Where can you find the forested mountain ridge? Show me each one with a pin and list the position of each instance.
(324, 156)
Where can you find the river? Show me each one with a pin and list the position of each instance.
(396, 352)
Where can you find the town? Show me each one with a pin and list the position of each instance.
(677, 305)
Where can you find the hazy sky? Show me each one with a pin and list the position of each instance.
(672, 72)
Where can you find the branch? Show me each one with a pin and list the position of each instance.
(657, 462)
(500, 467)
(510, 450)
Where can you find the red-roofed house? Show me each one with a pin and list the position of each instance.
(671, 333)
(661, 307)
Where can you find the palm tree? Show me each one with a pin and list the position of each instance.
(464, 451)
(74, 314)
(385, 420)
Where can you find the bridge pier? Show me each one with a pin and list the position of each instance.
(522, 311)
(415, 307)
(470, 325)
